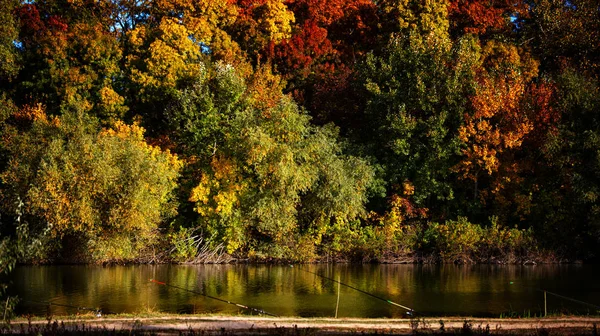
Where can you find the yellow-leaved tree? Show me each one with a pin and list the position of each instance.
(108, 188)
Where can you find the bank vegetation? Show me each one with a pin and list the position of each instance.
(299, 131)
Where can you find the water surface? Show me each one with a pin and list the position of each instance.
(479, 290)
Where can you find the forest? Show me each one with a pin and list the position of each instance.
(299, 130)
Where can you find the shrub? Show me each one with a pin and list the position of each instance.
(505, 245)
(454, 241)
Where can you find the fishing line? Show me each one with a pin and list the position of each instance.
(570, 299)
(260, 311)
(410, 311)
(561, 296)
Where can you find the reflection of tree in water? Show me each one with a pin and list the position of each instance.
(291, 291)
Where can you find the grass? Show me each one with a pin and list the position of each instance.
(554, 313)
(156, 314)
(88, 324)
(417, 328)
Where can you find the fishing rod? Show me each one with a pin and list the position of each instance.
(97, 311)
(410, 311)
(260, 311)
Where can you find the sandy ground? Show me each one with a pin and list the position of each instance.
(244, 324)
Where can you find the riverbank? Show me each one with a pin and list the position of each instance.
(242, 325)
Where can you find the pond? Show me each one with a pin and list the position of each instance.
(305, 290)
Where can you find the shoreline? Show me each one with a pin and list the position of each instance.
(219, 324)
(281, 262)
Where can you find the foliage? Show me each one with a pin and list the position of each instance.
(9, 32)
(184, 244)
(319, 56)
(485, 17)
(22, 245)
(277, 179)
(109, 186)
(69, 64)
(571, 155)
(506, 244)
(262, 22)
(507, 112)
(455, 241)
(497, 123)
(564, 33)
(460, 241)
(304, 129)
(413, 101)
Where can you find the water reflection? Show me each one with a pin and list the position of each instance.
(479, 290)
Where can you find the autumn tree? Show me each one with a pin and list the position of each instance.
(511, 115)
(109, 189)
(307, 127)
(74, 63)
(564, 33)
(260, 23)
(319, 57)
(486, 17)
(267, 181)
(162, 60)
(497, 122)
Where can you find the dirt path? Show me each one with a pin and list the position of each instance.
(250, 324)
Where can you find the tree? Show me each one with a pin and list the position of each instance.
(162, 61)
(109, 189)
(564, 33)
(415, 102)
(210, 23)
(567, 207)
(271, 181)
(510, 116)
(9, 33)
(262, 22)
(485, 17)
(69, 63)
(22, 245)
(497, 123)
(318, 59)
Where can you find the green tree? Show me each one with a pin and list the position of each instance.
(567, 207)
(18, 246)
(9, 34)
(416, 94)
(266, 180)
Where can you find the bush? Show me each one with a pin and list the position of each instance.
(504, 245)
(460, 241)
(454, 241)
(108, 186)
(184, 244)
